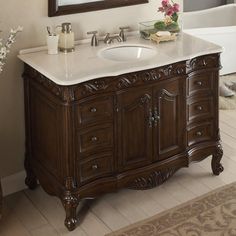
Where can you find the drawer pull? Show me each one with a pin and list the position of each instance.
(95, 167)
(93, 110)
(199, 133)
(199, 108)
(94, 139)
(199, 83)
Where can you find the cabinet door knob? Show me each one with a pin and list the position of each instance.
(199, 83)
(199, 133)
(199, 108)
(95, 167)
(156, 116)
(94, 139)
(150, 118)
(93, 109)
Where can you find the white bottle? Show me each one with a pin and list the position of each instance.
(66, 38)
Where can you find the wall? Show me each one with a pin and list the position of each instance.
(193, 5)
(32, 15)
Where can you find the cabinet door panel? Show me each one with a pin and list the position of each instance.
(135, 133)
(169, 138)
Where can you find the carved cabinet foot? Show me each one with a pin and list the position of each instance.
(217, 167)
(31, 179)
(71, 219)
(70, 202)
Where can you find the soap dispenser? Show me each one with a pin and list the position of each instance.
(66, 38)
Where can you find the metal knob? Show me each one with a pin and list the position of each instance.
(156, 116)
(95, 167)
(94, 139)
(93, 110)
(199, 133)
(199, 108)
(199, 83)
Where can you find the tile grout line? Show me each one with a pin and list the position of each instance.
(41, 213)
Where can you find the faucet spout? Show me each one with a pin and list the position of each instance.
(110, 38)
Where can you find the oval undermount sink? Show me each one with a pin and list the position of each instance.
(127, 53)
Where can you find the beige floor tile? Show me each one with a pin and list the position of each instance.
(46, 230)
(164, 199)
(25, 211)
(125, 206)
(109, 215)
(10, 225)
(92, 226)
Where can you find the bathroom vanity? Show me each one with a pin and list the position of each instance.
(95, 125)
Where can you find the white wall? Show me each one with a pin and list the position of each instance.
(32, 15)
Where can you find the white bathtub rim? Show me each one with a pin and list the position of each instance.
(209, 10)
(211, 30)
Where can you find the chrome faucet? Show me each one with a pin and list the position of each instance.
(110, 38)
(122, 34)
(94, 40)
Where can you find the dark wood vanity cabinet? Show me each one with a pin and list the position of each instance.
(134, 130)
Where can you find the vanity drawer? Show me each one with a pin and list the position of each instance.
(201, 83)
(198, 109)
(200, 133)
(94, 110)
(95, 138)
(96, 167)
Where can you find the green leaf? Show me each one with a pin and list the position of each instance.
(175, 17)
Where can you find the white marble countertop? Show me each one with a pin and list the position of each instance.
(84, 64)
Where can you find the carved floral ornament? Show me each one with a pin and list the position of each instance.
(154, 179)
(74, 92)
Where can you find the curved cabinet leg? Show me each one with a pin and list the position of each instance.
(30, 180)
(71, 219)
(216, 166)
(70, 202)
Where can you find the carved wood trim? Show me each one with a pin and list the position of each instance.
(111, 84)
(70, 202)
(154, 179)
(217, 167)
(204, 62)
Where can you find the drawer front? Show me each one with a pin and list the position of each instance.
(95, 138)
(200, 133)
(201, 84)
(200, 109)
(95, 110)
(96, 167)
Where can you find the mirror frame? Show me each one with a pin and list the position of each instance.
(55, 10)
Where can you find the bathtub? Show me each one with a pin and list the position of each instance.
(217, 25)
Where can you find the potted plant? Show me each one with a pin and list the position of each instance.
(170, 23)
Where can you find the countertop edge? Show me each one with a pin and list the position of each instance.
(116, 73)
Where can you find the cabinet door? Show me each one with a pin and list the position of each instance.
(169, 112)
(134, 129)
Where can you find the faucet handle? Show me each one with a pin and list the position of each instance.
(92, 32)
(122, 34)
(107, 37)
(94, 40)
(124, 27)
